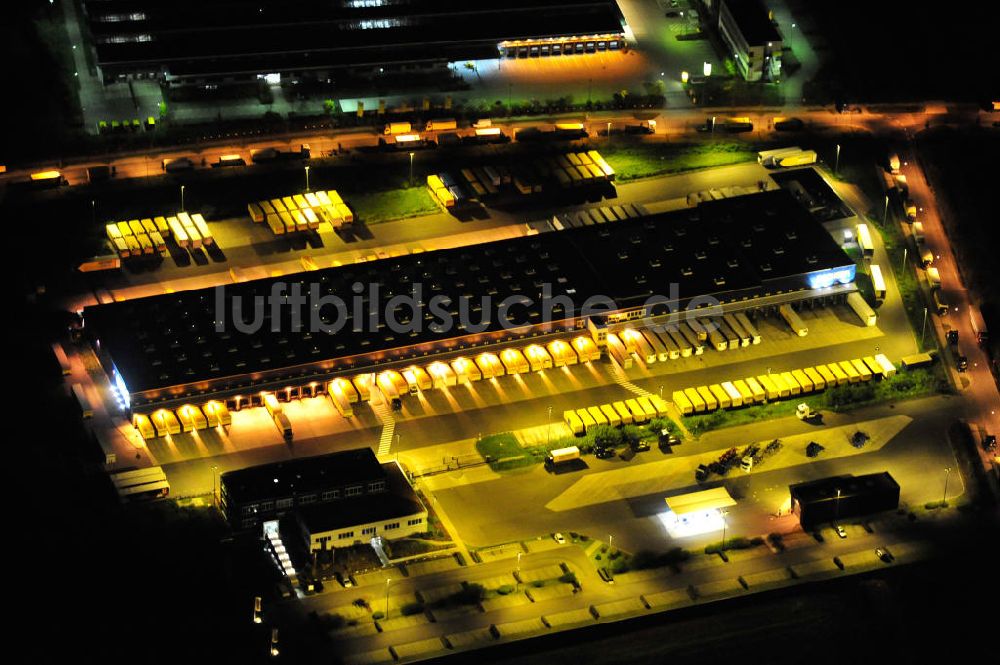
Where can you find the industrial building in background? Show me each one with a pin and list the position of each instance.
(753, 40)
(843, 497)
(335, 500)
(188, 42)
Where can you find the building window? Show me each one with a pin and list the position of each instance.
(266, 506)
(307, 498)
(415, 522)
(377, 486)
(368, 531)
(390, 527)
(249, 522)
(345, 535)
(285, 503)
(250, 509)
(353, 490)
(330, 495)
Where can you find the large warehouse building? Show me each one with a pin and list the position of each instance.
(751, 253)
(193, 42)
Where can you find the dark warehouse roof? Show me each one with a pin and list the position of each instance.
(732, 249)
(302, 476)
(850, 486)
(752, 18)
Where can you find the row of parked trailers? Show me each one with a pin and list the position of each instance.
(299, 213)
(681, 340)
(626, 412)
(572, 169)
(393, 385)
(186, 418)
(146, 236)
(780, 385)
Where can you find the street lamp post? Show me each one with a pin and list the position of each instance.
(723, 514)
(661, 392)
(904, 258)
(182, 198)
(836, 508)
(836, 163)
(609, 132)
(611, 539)
(215, 495)
(885, 210)
(947, 473)
(548, 428)
(307, 178)
(387, 597)
(923, 328)
(411, 169)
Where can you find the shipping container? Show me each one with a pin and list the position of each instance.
(655, 343)
(735, 396)
(793, 320)
(878, 282)
(514, 361)
(586, 349)
(745, 392)
(717, 338)
(623, 412)
(840, 377)
(638, 415)
(770, 386)
(612, 416)
(573, 422)
(442, 375)
(793, 385)
(538, 358)
(647, 407)
(586, 418)
(711, 403)
(847, 367)
(737, 329)
(865, 241)
(888, 369)
(674, 349)
(598, 415)
(804, 381)
(489, 365)
(721, 396)
(682, 403)
(165, 422)
(857, 303)
(748, 327)
(817, 379)
(756, 389)
(696, 400)
(144, 426)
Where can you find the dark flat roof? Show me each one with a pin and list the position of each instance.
(826, 488)
(731, 249)
(302, 476)
(398, 501)
(191, 36)
(752, 18)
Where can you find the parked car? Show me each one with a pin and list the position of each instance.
(841, 531)
(701, 473)
(990, 442)
(952, 337)
(559, 538)
(606, 575)
(604, 453)
(962, 363)
(884, 554)
(640, 446)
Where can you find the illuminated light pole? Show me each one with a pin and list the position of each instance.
(548, 431)
(256, 609)
(661, 392)
(904, 257)
(215, 495)
(307, 178)
(947, 473)
(923, 328)
(885, 211)
(609, 132)
(387, 597)
(182, 198)
(411, 169)
(611, 539)
(836, 163)
(836, 508)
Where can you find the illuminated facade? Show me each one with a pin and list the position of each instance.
(752, 38)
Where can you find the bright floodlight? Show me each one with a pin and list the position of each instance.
(707, 69)
(684, 77)
(691, 524)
